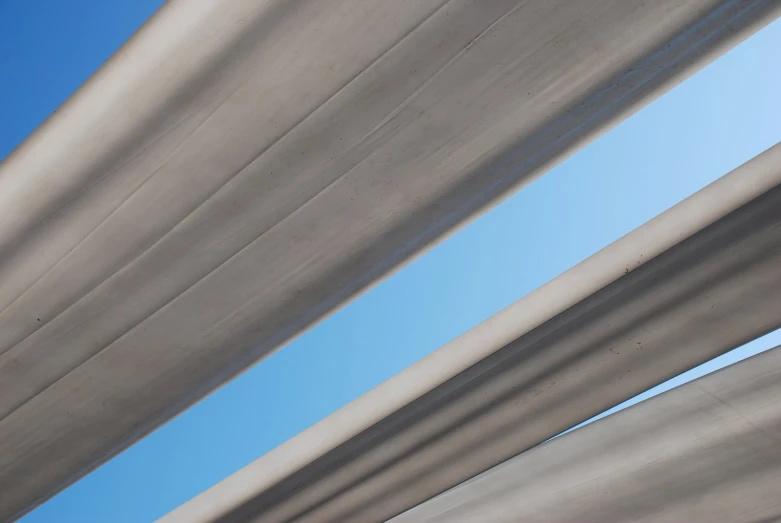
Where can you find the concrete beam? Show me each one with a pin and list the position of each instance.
(707, 451)
(240, 168)
(700, 279)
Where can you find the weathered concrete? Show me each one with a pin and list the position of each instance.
(708, 451)
(242, 167)
(700, 279)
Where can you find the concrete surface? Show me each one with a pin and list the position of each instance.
(240, 168)
(706, 452)
(700, 279)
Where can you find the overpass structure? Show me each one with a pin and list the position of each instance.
(241, 168)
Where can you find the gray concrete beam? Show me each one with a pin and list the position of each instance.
(241, 168)
(700, 279)
(708, 451)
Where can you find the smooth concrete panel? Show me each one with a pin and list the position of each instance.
(700, 279)
(241, 167)
(708, 451)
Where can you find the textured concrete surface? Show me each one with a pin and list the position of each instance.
(700, 279)
(241, 168)
(708, 451)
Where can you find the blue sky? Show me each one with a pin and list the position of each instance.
(705, 127)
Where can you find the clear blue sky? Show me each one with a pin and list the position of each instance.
(709, 125)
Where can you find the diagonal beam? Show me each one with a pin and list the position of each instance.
(707, 451)
(698, 280)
